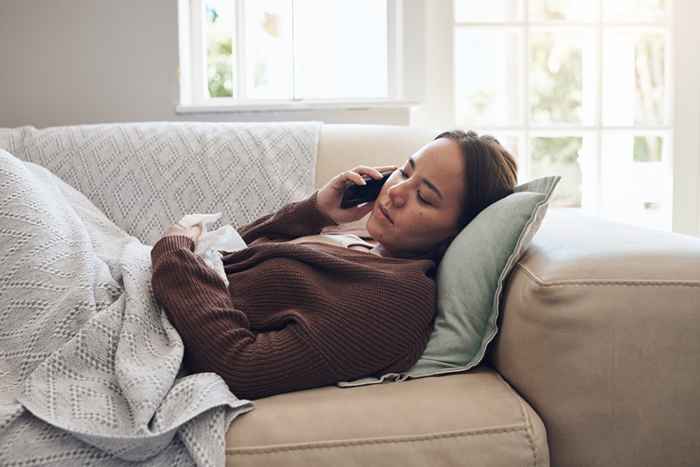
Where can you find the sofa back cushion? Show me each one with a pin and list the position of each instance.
(146, 176)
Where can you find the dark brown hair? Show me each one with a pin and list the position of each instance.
(491, 174)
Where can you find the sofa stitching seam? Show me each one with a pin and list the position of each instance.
(529, 434)
(526, 419)
(605, 282)
(368, 441)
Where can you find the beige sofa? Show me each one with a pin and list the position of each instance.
(596, 363)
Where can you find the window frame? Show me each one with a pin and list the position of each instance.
(194, 96)
(684, 218)
(686, 117)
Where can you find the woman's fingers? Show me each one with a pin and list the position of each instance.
(374, 172)
(355, 177)
(371, 171)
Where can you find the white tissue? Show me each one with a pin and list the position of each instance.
(208, 244)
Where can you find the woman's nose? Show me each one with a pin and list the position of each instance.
(397, 194)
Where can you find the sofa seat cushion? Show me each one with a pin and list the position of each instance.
(473, 417)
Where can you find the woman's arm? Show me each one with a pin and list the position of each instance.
(217, 336)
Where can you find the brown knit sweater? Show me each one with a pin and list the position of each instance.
(295, 316)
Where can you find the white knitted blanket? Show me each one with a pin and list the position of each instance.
(90, 367)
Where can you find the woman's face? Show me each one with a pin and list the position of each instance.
(422, 198)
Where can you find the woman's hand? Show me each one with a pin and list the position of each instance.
(329, 197)
(176, 229)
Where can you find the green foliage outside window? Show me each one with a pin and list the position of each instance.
(219, 56)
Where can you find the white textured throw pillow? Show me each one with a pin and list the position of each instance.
(145, 176)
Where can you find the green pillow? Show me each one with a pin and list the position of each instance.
(470, 279)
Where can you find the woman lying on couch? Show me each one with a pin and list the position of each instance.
(301, 312)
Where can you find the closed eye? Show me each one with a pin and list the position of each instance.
(423, 200)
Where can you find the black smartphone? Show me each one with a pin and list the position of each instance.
(358, 194)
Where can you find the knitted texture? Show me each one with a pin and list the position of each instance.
(90, 366)
(145, 176)
(295, 315)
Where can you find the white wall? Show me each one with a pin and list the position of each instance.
(65, 62)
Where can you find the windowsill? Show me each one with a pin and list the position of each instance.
(284, 106)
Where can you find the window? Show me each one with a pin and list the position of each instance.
(577, 89)
(276, 52)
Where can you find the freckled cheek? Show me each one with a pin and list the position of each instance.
(419, 224)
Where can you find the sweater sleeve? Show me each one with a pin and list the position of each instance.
(291, 221)
(217, 336)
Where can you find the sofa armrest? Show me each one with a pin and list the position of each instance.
(600, 331)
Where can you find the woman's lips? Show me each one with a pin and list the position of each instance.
(384, 213)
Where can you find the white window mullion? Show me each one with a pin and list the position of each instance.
(200, 91)
(525, 93)
(667, 153)
(599, 117)
(686, 111)
(555, 25)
